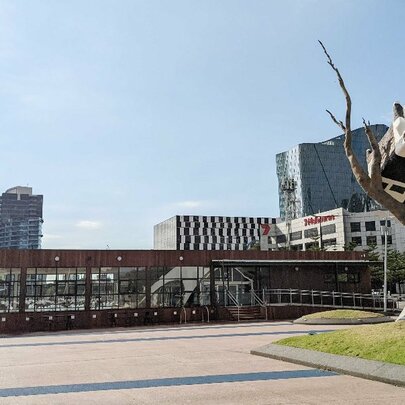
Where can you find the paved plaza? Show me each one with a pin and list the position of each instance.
(198, 364)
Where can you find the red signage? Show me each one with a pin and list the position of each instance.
(318, 220)
(266, 229)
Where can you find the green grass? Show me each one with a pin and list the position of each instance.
(343, 314)
(382, 342)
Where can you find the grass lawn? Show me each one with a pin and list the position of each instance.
(382, 342)
(343, 314)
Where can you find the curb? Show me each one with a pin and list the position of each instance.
(341, 321)
(368, 369)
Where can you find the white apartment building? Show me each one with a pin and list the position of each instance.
(335, 229)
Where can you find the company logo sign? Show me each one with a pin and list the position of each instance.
(265, 229)
(318, 220)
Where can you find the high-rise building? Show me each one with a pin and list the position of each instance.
(20, 219)
(316, 177)
(193, 232)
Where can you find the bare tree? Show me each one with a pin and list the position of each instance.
(371, 182)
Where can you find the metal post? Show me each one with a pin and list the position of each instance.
(385, 267)
(384, 230)
(320, 233)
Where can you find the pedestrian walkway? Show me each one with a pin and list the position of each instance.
(194, 364)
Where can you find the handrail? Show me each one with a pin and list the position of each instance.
(234, 300)
(323, 298)
(183, 309)
(257, 298)
(208, 313)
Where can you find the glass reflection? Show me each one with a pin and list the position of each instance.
(179, 286)
(9, 289)
(118, 287)
(55, 289)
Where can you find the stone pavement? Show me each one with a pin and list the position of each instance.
(199, 364)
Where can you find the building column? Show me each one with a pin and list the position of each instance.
(213, 296)
(23, 289)
(87, 289)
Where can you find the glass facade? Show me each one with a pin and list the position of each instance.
(9, 289)
(64, 289)
(55, 289)
(323, 177)
(118, 287)
(71, 289)
(178, 286)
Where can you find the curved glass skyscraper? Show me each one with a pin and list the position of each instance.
(316, 177)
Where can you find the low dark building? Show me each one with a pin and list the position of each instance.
(93, 288)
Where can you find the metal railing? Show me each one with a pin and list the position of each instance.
(205, 307)
(256, 300)
(280, 297)
(228, 297)
(328, 299)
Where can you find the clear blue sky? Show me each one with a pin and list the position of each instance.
(124, 113)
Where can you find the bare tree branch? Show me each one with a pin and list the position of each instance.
(338, 123)
(371, 185)
(359, 173)
(375, 157)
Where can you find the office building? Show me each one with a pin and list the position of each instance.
(336, 230)
(316, 177)
(20, 219)
(191, 232)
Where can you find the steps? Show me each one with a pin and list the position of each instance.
(246, 313)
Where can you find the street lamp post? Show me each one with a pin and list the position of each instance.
(384, 230)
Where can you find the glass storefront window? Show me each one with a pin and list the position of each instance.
(52, 289)
(118, 287)
(177, 286)
(9, 289)
(132, 287)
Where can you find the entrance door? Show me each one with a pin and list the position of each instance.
(234, 281)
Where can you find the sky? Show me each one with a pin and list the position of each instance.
(125, 113)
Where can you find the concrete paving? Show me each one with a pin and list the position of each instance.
(196, 364)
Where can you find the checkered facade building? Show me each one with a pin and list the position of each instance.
(191, 232)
